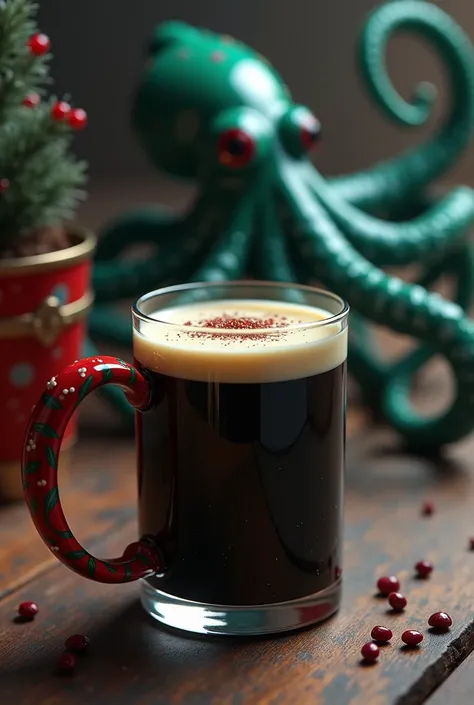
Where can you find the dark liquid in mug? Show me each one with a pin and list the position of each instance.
(242, 482)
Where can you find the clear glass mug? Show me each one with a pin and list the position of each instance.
(240, 397)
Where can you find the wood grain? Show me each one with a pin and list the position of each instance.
(457, 690)
(133, 660)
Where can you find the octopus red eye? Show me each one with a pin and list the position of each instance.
(235, 148)
(310, 131)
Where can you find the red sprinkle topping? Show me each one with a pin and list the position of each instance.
(412, 638)
(28, 610)
(382, 634)
(370, 651)
(397, 601)
(427, 509)
(77, 642)
(66, 663)
(440, 620)
(424, 569)
(388, 584)
(244, 323)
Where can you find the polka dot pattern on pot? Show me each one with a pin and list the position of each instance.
(21, 374)
(61, 292)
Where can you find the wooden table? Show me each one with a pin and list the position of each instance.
(133, 660)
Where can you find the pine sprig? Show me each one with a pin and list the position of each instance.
(43, 178)
(20, 71)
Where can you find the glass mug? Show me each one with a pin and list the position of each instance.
(240, 397)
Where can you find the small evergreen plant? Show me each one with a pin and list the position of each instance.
(40, 180)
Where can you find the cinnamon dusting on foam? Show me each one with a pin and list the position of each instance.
(240, 341)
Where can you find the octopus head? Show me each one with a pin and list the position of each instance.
(206, 100)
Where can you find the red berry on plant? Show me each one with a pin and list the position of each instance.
(388, 584)
(39, 44)
(424, 569)
(60, 110)
(4, 185)
(397, 601)
(66, 662)
(440, 620)
(77, 642)
(412, 638)
(77, 119)
(382, 634)
(370, 651)
(31, 100)
(28, 610)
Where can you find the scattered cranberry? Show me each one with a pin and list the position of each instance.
(427, 509)
(440, 620)
(66, 662)
(77, 642)
(382, 634)
(397, 601)
(412, 638)
(388, 584)
(471, 543)
(28, 610)
(424, 569)
(60, 110)
(370, 651)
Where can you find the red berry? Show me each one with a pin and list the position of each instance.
(397, 601)
(77, 642)
(412, 638)
(77, 119)
(66, 662)
(370, 651)
(28, 610)
(388, 584)
(427, 509)
(424, 568)
(4, 185)
(39, 44)
(31, 100)
(60, 110)
(440, 620)
(382, 634)
(471, 543)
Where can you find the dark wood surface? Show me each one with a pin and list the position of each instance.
(132, 659)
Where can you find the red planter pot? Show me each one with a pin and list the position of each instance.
(44, 302)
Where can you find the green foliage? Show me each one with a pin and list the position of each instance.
(44, 178)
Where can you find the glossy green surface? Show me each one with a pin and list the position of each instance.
(263, 209)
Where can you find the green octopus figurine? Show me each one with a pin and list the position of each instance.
(212, 110)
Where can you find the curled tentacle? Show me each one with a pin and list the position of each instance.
(407, 308)
(389, 244)
(395, 180)
(144, 226)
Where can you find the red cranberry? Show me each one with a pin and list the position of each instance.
(382, 634)
(66, 662)
(471, 543)
(440, 620)
(370, 651)
(60, 110)
(424, 569)
(412, 638)
(427, 509)
(28, 610)
(397, 601)
(388, 584)
(77, 642)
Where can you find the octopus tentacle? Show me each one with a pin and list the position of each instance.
(407, 308)
(387, 243)
(394, 180)
(145, 226)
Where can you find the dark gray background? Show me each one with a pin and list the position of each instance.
(98, 47)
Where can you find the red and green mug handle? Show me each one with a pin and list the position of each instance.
(46, 428)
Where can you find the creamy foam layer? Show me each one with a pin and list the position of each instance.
(269, 341)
